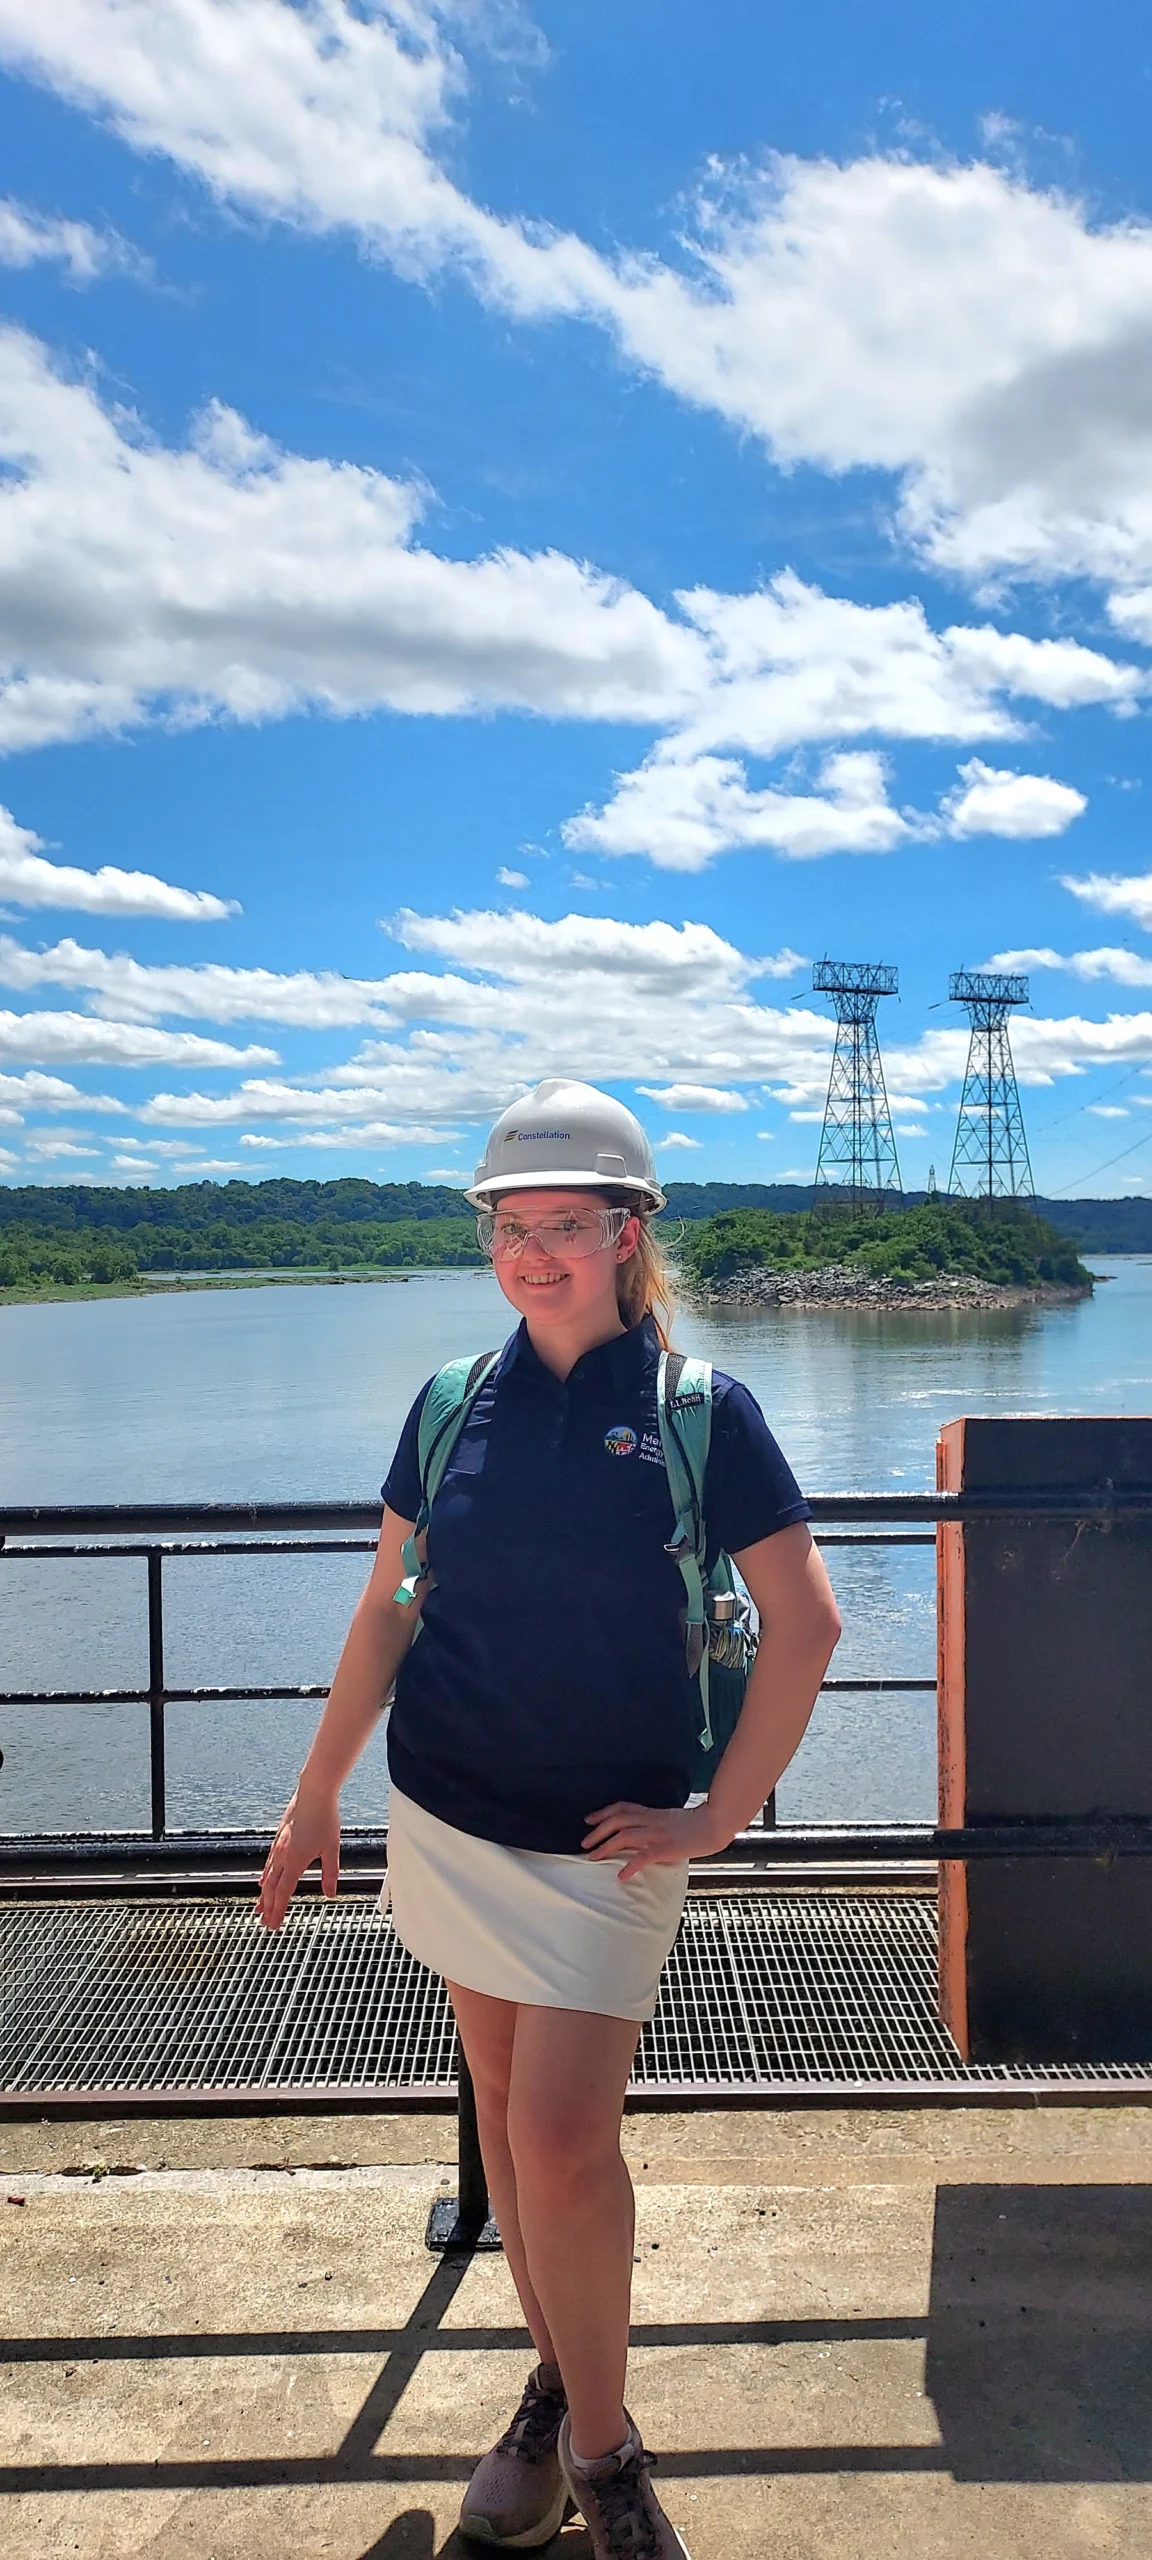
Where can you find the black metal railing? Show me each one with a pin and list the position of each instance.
(153, 1533)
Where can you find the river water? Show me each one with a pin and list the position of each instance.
(295, 1391)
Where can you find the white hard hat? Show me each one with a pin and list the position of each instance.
(571, 1137)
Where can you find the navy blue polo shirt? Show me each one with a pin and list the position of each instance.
(550, 1677)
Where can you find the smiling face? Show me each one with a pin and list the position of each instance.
(561, 1281)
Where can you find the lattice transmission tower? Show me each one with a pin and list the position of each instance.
(990, 1156)
(857, 1147)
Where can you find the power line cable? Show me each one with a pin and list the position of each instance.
(1104, 1168)
(1064, 1116)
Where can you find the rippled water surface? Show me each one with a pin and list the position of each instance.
(294, 1391)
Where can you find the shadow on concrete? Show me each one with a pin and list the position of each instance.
(1039, 2355)
(128, 2347)
(410, 2537)
(1039, 2364)
(396, 2373)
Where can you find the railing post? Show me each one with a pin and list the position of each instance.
(473, 2184)
(463, 2221)
(156, 1691)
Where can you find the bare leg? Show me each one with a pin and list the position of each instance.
(487, 2031)
(575, 2210)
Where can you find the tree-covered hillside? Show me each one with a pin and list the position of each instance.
(1012, 1247)
(78, 1234)
(73, 1235)
(195, 1206)
(1104, 1226)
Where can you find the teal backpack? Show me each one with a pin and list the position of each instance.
(719, 1637)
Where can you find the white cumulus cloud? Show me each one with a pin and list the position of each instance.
(789, 666)
(127, 989)
(516, 997)
(1114, 893)
(78, 1039)
(1132, 614)
(488, 1001)
(44, 1149)
(226, 577)
(992, 803)
(682, 811)
(259, 1098)
(981, 338)
(35, 1092)
(372, 1134)
(29, 239)
(31, 880)
(677, 1138)
(1125, 968)
(695, 1097)
(1043, 1050)
(319, 114)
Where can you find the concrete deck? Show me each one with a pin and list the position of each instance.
(884, 2335)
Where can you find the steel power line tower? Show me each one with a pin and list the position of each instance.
(857, 1148)
(990, 1156)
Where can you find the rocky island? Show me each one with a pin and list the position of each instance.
(938, 1254)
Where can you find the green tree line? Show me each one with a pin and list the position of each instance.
(74, 1234)
(75, 1257)
(1109, 1226)
(1010, 1245)
(71, 1208)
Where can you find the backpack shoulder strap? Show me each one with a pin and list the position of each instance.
(445, 1410)
(684, 1408)
(684, 1401)
(442, 1417)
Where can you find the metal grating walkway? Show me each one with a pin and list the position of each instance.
(818, 1993)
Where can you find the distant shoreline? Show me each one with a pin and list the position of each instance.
(839, 1286)
(173, 1284)
(814, 1291)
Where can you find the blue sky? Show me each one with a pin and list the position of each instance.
(519, 531)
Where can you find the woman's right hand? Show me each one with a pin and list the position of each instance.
(309, 1829)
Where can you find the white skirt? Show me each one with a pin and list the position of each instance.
(526, 1925)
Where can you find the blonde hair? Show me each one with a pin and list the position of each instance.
(643, 1286)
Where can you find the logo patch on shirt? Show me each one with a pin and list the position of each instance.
(620, 1440)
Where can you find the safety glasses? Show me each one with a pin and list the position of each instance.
(567, 1235)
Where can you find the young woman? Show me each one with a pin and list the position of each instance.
(540, 1753)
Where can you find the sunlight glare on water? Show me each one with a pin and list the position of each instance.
(291, 1391)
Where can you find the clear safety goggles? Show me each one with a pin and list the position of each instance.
(565, 1236)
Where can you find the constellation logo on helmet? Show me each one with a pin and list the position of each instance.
(620, 1440)
(532, 1137)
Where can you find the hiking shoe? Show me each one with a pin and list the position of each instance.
(517, 2497)
(616, 2498)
